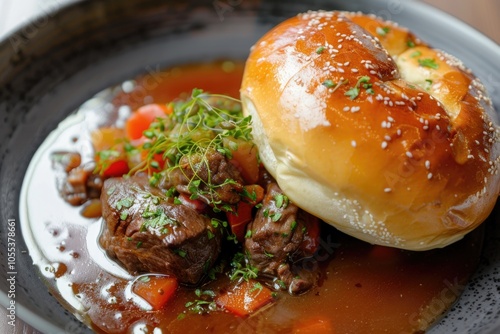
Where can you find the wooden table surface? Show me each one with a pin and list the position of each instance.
(483, 15)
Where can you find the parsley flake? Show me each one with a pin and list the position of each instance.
(269, 255)
(352, 93)
(416, 54)
(156, 220)
(276, 216)
(180, 252)
(124, 215)
(329, 83)
(170, 192)
(428, 62)
(281, 201)
(124, 203)
(111, 191)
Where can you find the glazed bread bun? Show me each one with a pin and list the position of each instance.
(371, 130)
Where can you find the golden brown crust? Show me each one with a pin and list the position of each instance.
(373, 131)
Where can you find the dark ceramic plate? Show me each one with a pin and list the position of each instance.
(53, 65)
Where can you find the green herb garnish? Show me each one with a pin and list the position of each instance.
(257, 286)
(204, 303)
(281, 201)
(124, 203)
(428, 62)
(242, 269)
(416, 54)
(320, 49)
(124, 215)
(180, 252)
(156, 219)
(205, 123)
(353, 93)
(269, 255)
(329, 83)
(276, 216)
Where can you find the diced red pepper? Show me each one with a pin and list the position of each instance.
(245, 298)
(239, 219)
(157, 290)
(116, 168)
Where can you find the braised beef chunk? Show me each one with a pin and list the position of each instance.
(212, 168)
(146, 232)
(76, 183)
(72, 188)
(66, 161)
(275, 241)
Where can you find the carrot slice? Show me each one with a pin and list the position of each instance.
(157, 290)
(142, 119)
(245, 298)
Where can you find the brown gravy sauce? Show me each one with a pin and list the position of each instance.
(363, 288)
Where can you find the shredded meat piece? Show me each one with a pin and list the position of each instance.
(73, 188)
(76, 182)
(212, 168)
(277, 233)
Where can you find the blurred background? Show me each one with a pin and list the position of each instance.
(484, 15)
